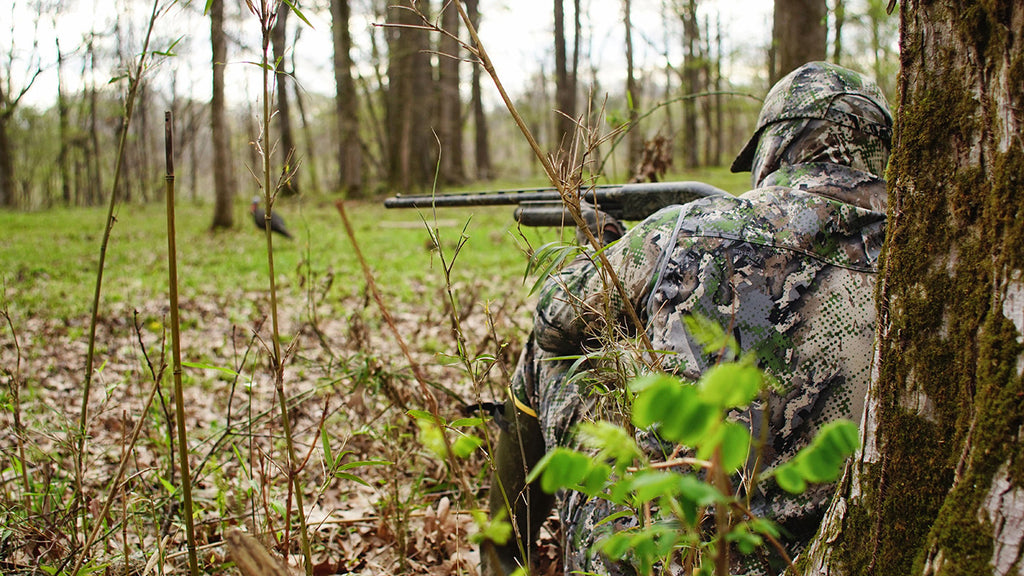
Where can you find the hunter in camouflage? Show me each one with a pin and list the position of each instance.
(789, 268)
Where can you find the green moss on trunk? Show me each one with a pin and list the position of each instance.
(951, 398)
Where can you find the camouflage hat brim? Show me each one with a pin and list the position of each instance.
(745, 159)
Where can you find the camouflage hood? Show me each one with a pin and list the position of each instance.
(819, 113)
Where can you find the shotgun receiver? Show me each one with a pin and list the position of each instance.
(543, 206)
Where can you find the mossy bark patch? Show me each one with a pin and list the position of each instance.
(948, 403)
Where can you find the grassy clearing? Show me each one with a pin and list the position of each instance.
(48, 259)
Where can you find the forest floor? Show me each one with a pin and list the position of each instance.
(376, 499)
(379, 494)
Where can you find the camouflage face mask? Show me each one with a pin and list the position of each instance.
(803, 141)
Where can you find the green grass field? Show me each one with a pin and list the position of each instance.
(48, 260)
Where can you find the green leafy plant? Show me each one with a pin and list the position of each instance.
(692, 489)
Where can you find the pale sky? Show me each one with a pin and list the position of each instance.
(517, 34)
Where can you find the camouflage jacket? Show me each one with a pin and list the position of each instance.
(788, 268)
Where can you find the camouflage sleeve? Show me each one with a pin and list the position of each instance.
(580, 302)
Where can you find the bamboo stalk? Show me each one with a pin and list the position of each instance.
(179, 395)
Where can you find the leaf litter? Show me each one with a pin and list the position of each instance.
(349, 389)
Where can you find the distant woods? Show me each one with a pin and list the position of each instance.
(394, 108)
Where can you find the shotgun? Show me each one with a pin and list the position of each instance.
(544, 207)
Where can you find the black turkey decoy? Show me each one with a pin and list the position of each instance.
(260, 218)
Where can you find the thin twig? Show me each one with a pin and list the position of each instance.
(429, 399)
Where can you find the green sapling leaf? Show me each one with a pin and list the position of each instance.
(790, 479)
(735, 444)
(560, 468)
(822, 460)
(465, 444)
(731, 385)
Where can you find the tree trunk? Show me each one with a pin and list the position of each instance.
(565, 98)
(346, 103)
(840, 19)
(223, 215)
(481, 143)
(64, 130)
(279, 41)
(411, 147)
(95, 156)
(450, 101)
(636, 136)
(691, 81)
(6, 162)
(937, 488)
(310, 163)
(798, 35)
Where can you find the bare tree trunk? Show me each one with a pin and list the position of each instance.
(411, 149)
(937, 488)
(565, 99)
(481, 143)
(719, 133)
(310, 164)
(9, 101)
(346, 104)
(839, 10)
(636, 136)
(279, 42)
(7, 184)
(706, 107)
(798, 35)
(450, 101)
(691, 80)
(223, 214)
(63, 113)
(95, 175)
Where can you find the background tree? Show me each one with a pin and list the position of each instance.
(10, 97)
(411, 149)
(63, 119)
(223, 187)
(450, 100)
(636, 136)
(839, 19)
(798, 35)
(937, 488)
(565, 87)
(346, 103)
(692, 64)
(481, 141)
(279, 41)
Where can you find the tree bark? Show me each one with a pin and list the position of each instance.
(223, 216)
(636, 136)
(95, 155)
(346, 103)
(839, 12)
(279, 42)
(411, 148)
(565, 97)
(798, 35)
(691, 84)
(64, 126)
(937, 487)
(481, 142)
(450, 101)
(6, 162)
